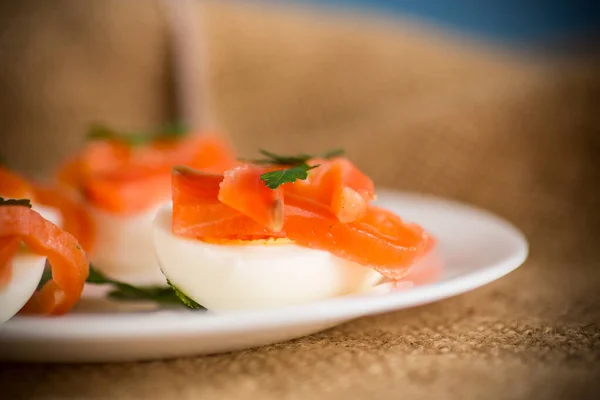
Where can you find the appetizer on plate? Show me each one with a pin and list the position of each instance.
(280, 231)
(29, 236)
(123, 179)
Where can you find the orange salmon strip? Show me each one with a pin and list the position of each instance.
(338, 184)
(380, 239)
(198, 213)
(127, 196)
(14, 186)
(75, 218)
(70, 266)
(120, 178)
(241, 190)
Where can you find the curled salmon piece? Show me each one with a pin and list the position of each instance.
(14, 186)
(69, 263)
(75, 218)
(125, 179)
(242, 190)
(338, 184)
(380, 239)
(198, 213)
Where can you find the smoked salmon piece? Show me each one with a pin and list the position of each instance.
(70, 267)
(13, 186)
(75, 218)
(198, 213)
(379, 239)
(121, 178)
(336, 183)
(242, 190)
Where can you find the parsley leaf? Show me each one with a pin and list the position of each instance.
(46, 276)
(183, 297)
(126, 292)
(274, 179)
(173, 130)
(15, 202)
(101, 132)
(298, 166)
(334, 153)
(285, 160)
(276, 159)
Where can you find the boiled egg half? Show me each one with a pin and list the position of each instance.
(26, 272)
(252, 275)
(123, 247)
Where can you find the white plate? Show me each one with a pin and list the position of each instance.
(474, 248)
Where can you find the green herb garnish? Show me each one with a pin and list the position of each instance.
(126, 292)
(15, 202)
(297, 163)
(101, 132)
(173, 130)
(183, 297)
(46, 276)
(276, 159)
(274, 179)
(334, 153)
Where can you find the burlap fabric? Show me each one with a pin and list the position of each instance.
(509, 132)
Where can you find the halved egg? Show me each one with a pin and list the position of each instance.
(123, 246)
(122, 180)
(253, 274)
(26, 273)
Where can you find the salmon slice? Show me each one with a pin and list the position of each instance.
(127, 196)
(242, 190)
(198, 213)
(380, 239)
(13, 186)
(367, 242)
(121, 178)
(338, 184)
(75, 218)
(70, 267)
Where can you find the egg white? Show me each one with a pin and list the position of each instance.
(27, 270)
(123, 247)
(249, 276)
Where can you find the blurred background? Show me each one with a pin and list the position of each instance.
(494, 103)
(504, 21)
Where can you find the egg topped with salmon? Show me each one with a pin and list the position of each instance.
(123, 179)
(280, 231)
(30, 235)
